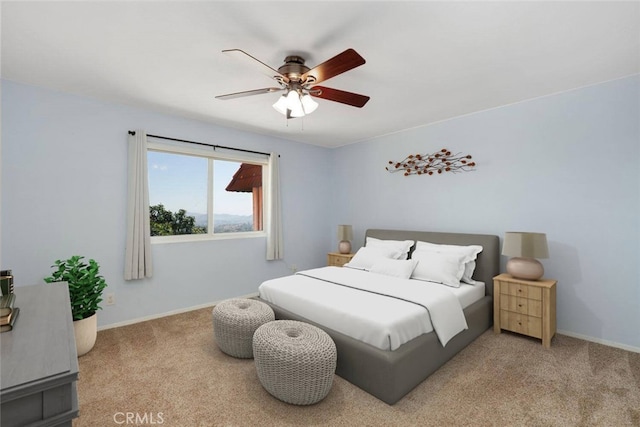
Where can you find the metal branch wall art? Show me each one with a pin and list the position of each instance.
(428, 164)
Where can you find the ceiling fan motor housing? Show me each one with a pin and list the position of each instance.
(293, 68)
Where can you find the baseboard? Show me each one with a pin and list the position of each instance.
(253, 295)
(169, 313)
(601, 341)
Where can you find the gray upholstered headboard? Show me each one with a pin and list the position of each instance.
(487, 263)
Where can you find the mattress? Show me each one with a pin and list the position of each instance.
(383, 322)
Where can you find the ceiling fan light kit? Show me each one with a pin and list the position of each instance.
(295, 103)
(299, 83)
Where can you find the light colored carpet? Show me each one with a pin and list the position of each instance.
(170, 372)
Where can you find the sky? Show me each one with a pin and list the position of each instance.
(180, 182)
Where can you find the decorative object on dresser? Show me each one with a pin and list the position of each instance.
(85, 292)
(338, 260)
(524, 248)
(525, 306)
(428, 164)
(345, 235)
(6, 304)
(8, 313)
(7, 322)
(6, 282)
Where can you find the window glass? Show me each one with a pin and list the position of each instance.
(191, 194)
(177, 194)
(234, 188)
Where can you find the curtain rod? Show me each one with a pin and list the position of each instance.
(132, 132)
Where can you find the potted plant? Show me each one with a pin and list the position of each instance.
(85, 292)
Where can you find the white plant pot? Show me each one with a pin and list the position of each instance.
(86, 331)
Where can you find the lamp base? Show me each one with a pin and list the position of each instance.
(344, 247)
(525, 268)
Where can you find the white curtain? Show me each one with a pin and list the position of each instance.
(275, 247)
(137, 264)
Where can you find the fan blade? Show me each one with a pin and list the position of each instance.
(341, 96)
(249, 93)
(267, 70)
(345, 61)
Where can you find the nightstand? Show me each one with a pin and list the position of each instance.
(337, 259)
(525, 306)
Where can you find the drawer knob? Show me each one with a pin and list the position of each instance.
(519, 323)
(519, 305)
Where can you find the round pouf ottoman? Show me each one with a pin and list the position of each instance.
(235, 321)
(295, 361)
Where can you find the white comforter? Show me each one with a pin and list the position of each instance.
(354, 302)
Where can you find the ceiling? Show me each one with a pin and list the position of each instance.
(426, 61)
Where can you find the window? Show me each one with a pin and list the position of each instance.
(198, 194)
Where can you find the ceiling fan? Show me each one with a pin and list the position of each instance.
(300, 83)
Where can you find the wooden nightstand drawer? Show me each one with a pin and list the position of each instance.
(337, 259)
(521, 323)
(531, 307)
(521, 290)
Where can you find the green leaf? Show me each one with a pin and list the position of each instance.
(85, 284)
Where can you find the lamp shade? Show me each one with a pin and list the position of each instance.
(525, 245)
(281, 104)
(308, 104)
(345, 232)
(290, 101)
(294, 103)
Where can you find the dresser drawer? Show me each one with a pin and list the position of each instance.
(520, 290)
(521, 323)
(531, 307)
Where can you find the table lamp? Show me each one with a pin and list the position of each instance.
(524, 248)
(345, 234)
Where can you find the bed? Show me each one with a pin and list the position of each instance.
(389, 374)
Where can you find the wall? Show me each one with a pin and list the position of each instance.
(567, 165)
(64, 173)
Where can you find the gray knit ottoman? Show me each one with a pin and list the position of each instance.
(235, 321)
(295, 361)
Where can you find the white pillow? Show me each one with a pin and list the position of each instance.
(401, 268)
(439, 267)
(470, 253)
(469, 268)
(366, 257)
(402, 246)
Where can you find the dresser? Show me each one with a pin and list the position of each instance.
(527, 307)
(337, 259)
(39, 365)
